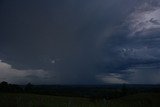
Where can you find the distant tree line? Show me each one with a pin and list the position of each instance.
(6, 87)
(94, 93)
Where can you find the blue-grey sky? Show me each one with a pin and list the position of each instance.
(80, 41)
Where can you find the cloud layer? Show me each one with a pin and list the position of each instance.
(134, 47)
(13, 75)
(80, 42)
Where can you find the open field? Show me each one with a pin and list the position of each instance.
(137, 100)
(32, 100)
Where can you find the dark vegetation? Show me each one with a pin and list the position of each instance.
(124, 95)
(93, 92)
(34, 100)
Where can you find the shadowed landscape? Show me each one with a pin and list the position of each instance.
(123, 95)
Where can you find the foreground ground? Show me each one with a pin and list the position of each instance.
(32, 100)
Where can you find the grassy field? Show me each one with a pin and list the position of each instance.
(32, 100)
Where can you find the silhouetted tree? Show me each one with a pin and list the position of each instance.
(4, 86)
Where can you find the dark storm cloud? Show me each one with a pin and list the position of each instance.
(76, 41)
(134, 44)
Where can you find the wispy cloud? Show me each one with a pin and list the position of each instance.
(144, 19)
(111, 78)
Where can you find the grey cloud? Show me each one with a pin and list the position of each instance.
(83, 39)
(146, 74)
(112, 78)
(21, 76)
(128, 48)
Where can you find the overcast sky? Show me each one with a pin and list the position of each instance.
(80, 41)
